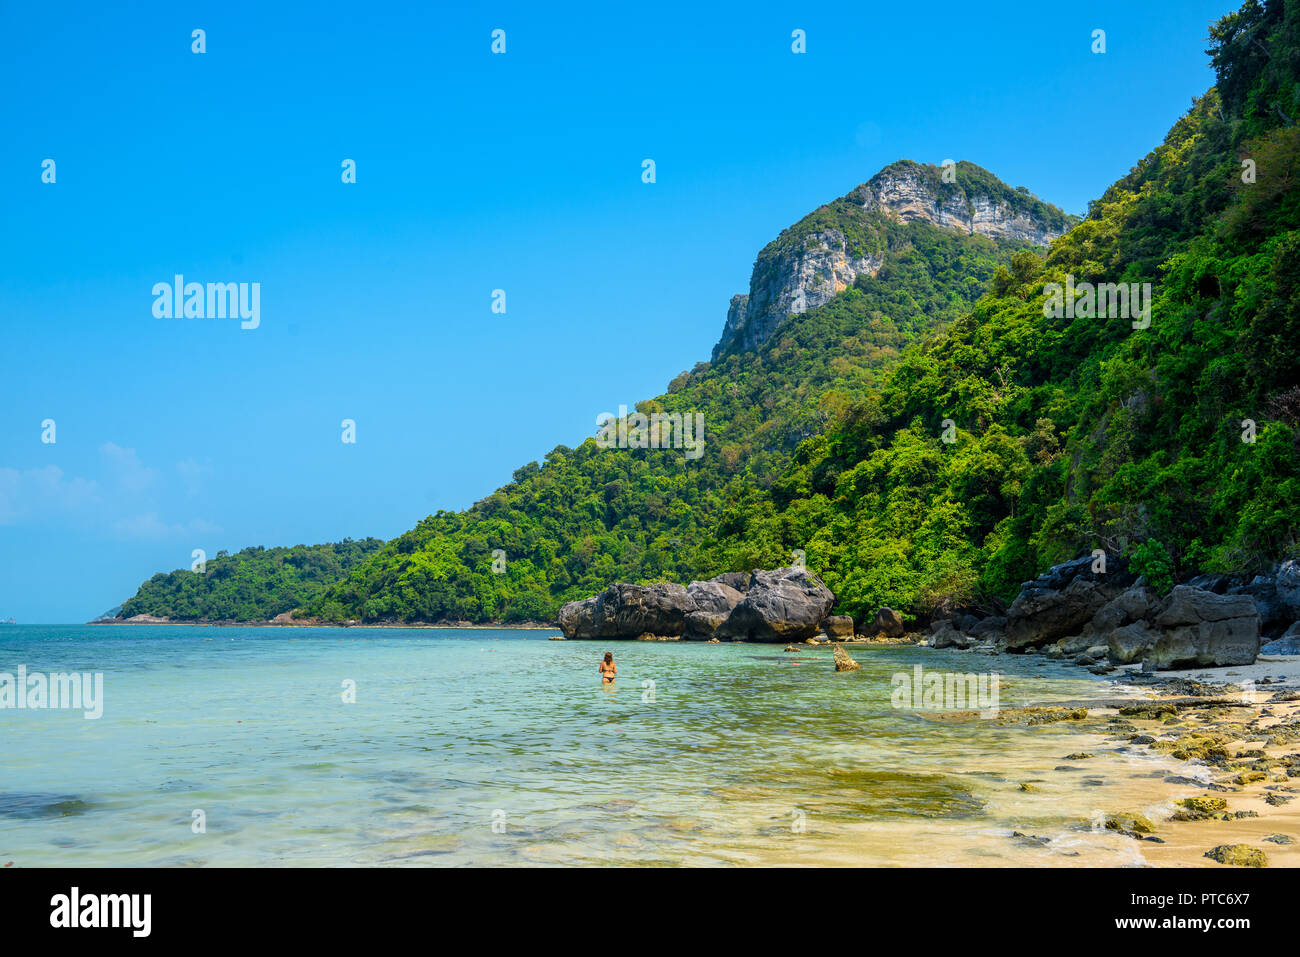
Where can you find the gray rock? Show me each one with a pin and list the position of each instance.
(1288, 644)
(737, 580)
(625, 611)
(1192, 606)
(714, 601)
(817, 263)
(838, 626)
(788, 604)
(989, 627)
(1043, 612)
(1076, 644)
(1209, 644)
(946, 636)
(1133, 604)
(1130, 643)
(886, 622)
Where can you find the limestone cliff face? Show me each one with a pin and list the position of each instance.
(820, 267)
(905, 193)
(825, 252)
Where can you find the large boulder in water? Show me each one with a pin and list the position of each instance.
(945, 635)
(1202, 629)
(629, 611)
(577, 619)
(714, 601)
(788, 604)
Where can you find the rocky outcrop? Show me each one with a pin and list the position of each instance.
(788, 604)
(1130, 643)
(838, 627)
(947, 636)
(907, 191)
(842, 660)
(1276, 595)
(1288, 644)
(629, 611)
(1202, 629)
(819, 267)
(886, 622)
(832, 248)
(714, 601)
(736, 313)
(1060, 603)
(1079, 611)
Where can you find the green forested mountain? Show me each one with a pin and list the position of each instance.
(588, 516)
(830, 398)
(1079, 433)
(255, 584)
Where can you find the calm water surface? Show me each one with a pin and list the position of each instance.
(500, 747)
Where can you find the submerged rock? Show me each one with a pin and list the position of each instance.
(1199, 808)
(1130, 823)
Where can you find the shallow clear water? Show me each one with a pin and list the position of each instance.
(500, 747)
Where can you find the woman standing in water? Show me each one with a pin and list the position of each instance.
(608, 670)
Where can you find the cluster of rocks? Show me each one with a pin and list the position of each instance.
(786, 604)
(1099, 619)
(1076, 611)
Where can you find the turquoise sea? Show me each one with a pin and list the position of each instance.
(478, 747)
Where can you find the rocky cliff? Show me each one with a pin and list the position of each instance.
(825, 252)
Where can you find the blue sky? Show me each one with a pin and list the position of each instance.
(475, 172)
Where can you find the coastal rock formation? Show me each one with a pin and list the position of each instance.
(629, 611)
(946, 636)
(714, 601)
(1133, 604)
(887, 622)
(842, 660)
(1288, 644)
(1060, 603)
(1130, 643)
(838, 626)
(788, 604)
(1276, 595)
(1202, 629)
(829, 250)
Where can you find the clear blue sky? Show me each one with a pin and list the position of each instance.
(475, 172)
